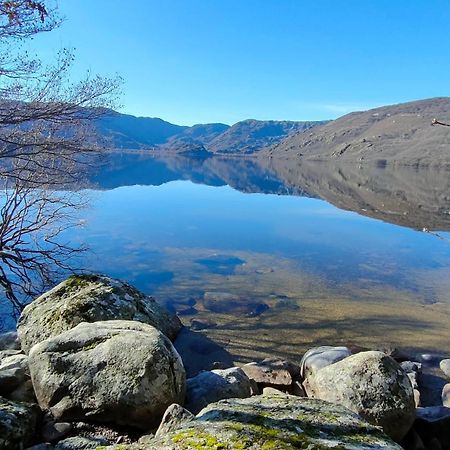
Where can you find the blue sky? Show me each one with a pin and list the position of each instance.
(197, 61)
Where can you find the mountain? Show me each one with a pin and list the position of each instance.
(400, 133)
(130, 132)
(250, 136)
(122, 131)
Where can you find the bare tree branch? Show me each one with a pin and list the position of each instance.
(48, 140)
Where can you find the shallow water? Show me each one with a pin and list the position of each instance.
(264, 274)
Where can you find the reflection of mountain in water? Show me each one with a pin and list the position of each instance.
(411, 197)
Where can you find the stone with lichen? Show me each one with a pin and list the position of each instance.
(116, 371)
(372, 385)
(90, 298)
(278, 422)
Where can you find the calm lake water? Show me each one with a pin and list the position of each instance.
(270, 258)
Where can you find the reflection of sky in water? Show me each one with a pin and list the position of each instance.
(128, 229)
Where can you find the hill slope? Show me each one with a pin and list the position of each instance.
(249, 136)
(401, 133)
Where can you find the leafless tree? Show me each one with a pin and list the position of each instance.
(47, 138)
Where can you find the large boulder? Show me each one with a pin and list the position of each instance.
(90, 298)
(371, 384)
(116, 371)
(17, 424)
(211, 386)
(272, 422)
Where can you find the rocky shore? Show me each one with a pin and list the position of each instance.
(94, 365)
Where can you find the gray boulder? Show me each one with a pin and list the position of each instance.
(17, 424)
(273, 422)
(318, 357)
(90, 298)
(211, 386)
(372, 385)
(116, 371)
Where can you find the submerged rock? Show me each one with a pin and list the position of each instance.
(90, 298)
(372, 385)
(17, 424)
(116, 371)
(273, 422)
(209, 387)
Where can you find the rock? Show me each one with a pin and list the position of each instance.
(81, 443)
(267, 374)
(7, 353)
(90, 298)
(13, 373)
(413, 370)
(209, 387)
(411, 366)
(433, 422)
(268, 391)
(446, 395)
(17, 424)
(52, 431)
(43, 446)
(116, 371)
(174, 415)
(417, 400)
(297, 389)
(197, 325)
(273, 422)
(372, 385)
(445, 367)
(319, 357)
(9, 341)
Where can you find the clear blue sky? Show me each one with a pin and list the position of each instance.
(192, 61)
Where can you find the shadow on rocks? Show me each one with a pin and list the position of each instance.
(198, 352)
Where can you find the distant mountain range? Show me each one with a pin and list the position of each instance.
(127, 132)
(398, 133)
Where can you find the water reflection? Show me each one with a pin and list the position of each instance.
(279, 270)
(415, 197)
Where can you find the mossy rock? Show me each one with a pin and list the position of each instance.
(90, 298)
(279, 422)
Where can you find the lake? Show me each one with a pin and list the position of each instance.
(265, 258)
